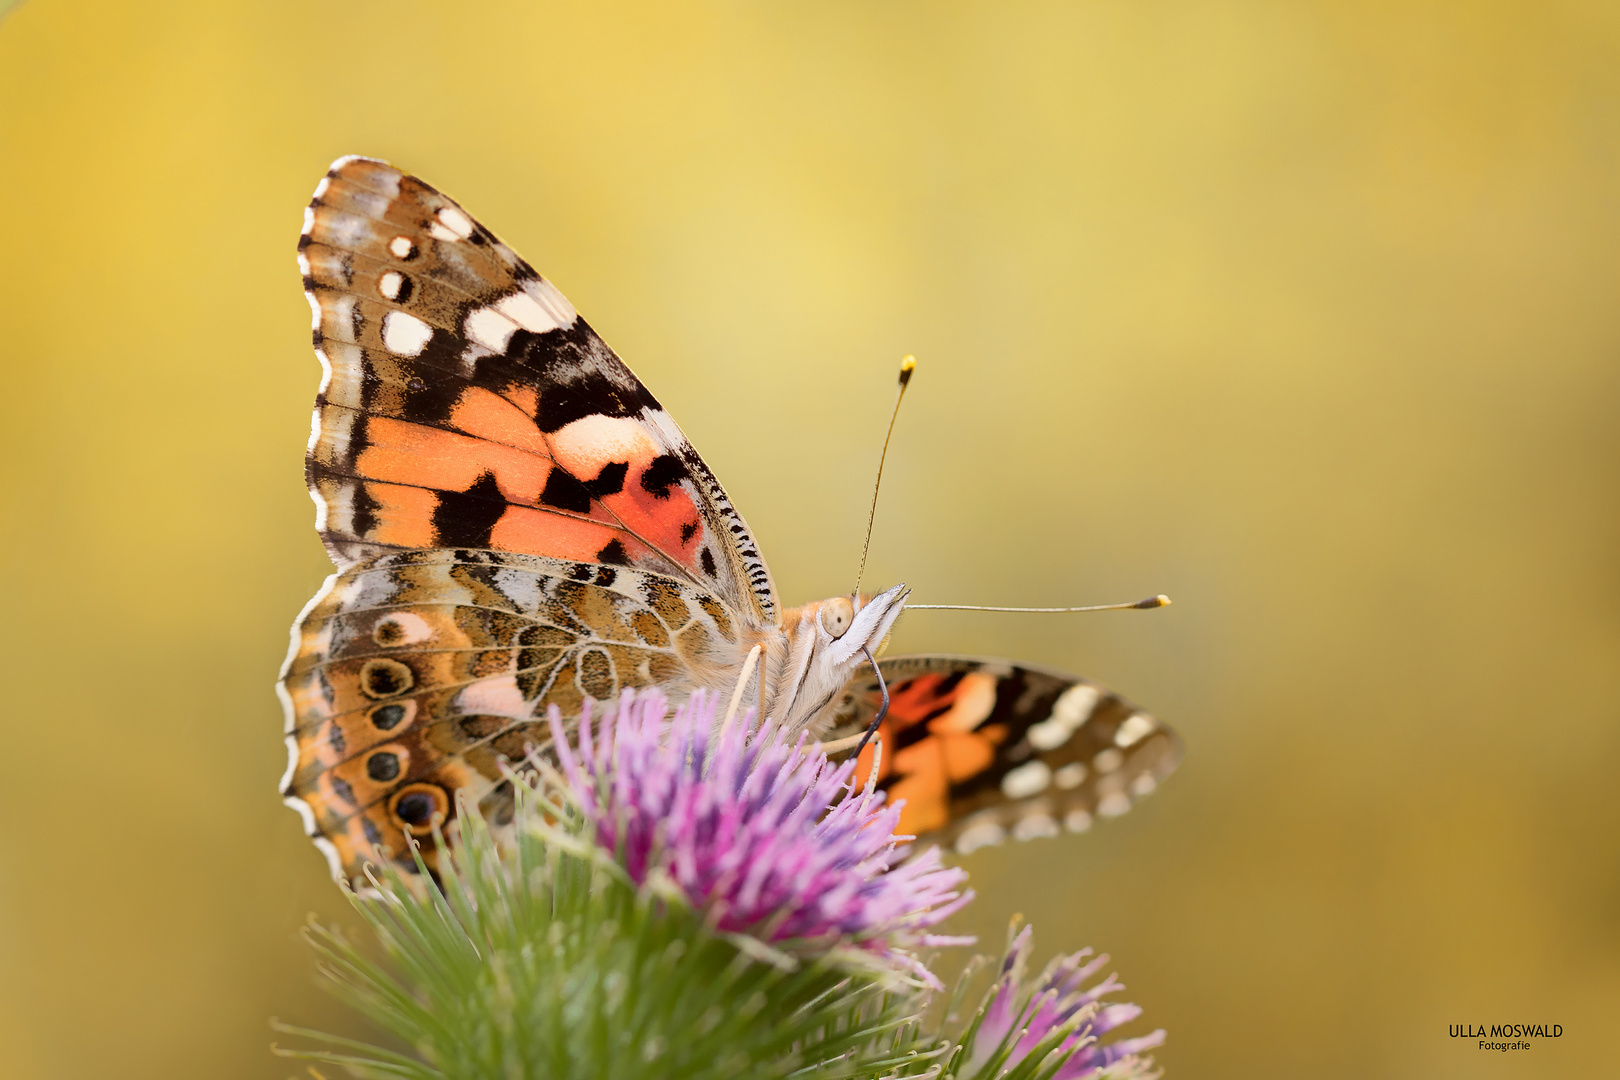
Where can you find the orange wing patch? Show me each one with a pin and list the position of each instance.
(648, 501)
(487, 415)
(430, 457)
(932, 739)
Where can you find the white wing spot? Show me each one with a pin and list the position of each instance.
(401, 628)
(984, 834)
(1108, 760)
(490, 329)
(309, 220)
(1069, 776)
(320, 188)
(1048, 735)
(1114, 804)
(1077, 821)
(1072, 709)
(405, 335)
(552, 300)
(389, 284)
(1030, 778)
(459, 224)
(528, 313)
(499, 697)
(401, 247)
(522, 588)
(1143, 785)
(1035, 825)
(1134, 729)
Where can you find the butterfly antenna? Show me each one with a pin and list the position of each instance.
(907, 366)
(1141, 605)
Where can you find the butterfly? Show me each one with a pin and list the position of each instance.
(516, 523)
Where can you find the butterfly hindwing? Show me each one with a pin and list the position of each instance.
(466, 404)
(414, 676)
(985, 749)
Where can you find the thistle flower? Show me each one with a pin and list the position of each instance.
(1057, 1019)
(766, 836)
(539, 957)
(680, 901)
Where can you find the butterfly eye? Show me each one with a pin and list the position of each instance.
(836, 615)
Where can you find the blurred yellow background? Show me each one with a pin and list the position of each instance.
(1304, 314)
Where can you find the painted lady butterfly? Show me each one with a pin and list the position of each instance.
(517, 523)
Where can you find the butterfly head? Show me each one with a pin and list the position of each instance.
(826, 642)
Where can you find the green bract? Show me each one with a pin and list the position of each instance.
(544, 960)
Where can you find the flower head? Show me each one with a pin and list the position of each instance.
(1017, 1019)
(767, 836)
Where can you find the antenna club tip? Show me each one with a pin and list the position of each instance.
(1153, 601)
(907, 366)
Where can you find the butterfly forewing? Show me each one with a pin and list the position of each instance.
(981, 750)
(466, 404)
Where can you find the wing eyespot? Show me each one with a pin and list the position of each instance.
(418, 806)
(383, 767)
(390, 716)
(383, 678)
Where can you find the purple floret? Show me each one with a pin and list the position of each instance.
(767, 836)
(1055, 999)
